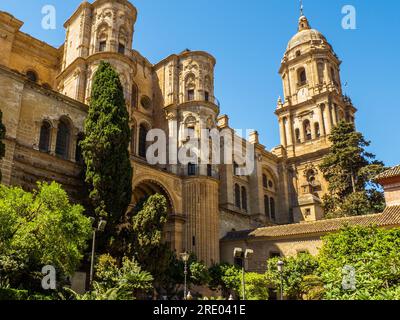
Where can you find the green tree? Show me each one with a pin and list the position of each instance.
(256, 286)
(225, 277)
(117, 283)
(147, 226)
(2, 137)
(105, 147)
(37, 229)
(350, 169)
(373, 254)
(294, 271)
(199, 274)
(228, 279)
(141, 237)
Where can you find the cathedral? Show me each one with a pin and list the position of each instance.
(45, 93)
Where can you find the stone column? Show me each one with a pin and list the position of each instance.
(322, 128)
(173, 141)
(302, 136)
(53, 137)
(282, 132)
(289, 132)
(327, 76)
(333, 114)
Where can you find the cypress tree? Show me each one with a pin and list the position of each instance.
(105, 147)
(2, 136)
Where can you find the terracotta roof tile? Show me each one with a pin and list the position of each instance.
(390, 217)
(393, 172)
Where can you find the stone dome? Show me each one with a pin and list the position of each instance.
(306, 35)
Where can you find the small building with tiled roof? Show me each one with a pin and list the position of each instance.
(291, 239)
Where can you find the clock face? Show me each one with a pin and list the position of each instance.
(302, 95)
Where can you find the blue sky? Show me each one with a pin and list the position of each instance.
(248, 39)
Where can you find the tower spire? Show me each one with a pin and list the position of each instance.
(303, 22)
(301, 8)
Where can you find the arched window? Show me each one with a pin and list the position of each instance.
(298, 139)
(307, 130)
(190, 86)
(273, 213)
(266, 206)
(142, 141)
(302, 76)
(44, 140)
(317, 130)
(237, 196)
(32, 75)
(121, 48)
(102, 45)
(134, 96)
(63, 139)
(78, 149)
(102, 37)
(321, 68)
(244, 199)
(123, 37)
(190, 95)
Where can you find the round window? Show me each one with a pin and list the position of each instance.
(270, 184)
(146, 102)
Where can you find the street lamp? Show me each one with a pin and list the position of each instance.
(280, 265)
(100, 227)
(185, 257)
(244, 256)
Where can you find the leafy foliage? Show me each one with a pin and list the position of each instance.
(30, 226)
(225, 277)
(256, 286)
(141, 236)
(105, 147)
(350, 170)
(373, 253)
(294, 271)
(2, 137)
(199, 274)
(117, 283)
(228, 278)
(148, 224)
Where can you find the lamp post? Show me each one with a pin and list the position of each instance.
(280, 265)
(185, 257)
(100, 227)
(238, 253)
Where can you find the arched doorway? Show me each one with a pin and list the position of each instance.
(147, 188)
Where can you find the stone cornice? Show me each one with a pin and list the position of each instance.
(10, 20)
(184, 55)
(97, 56)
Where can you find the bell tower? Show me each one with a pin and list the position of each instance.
(313, 104)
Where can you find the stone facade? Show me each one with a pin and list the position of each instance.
(45, 92)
